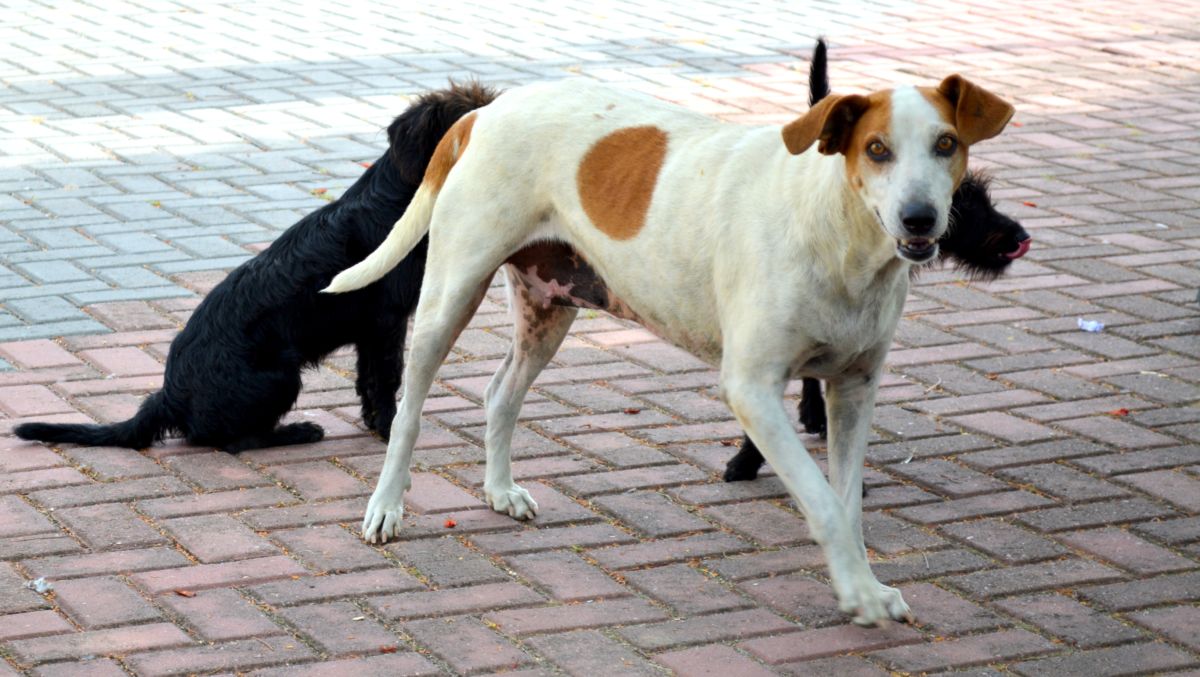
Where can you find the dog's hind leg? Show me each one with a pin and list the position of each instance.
(292, 433)
(458, 271)
(539, 330)
(442, 314)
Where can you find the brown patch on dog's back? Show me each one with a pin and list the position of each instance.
(448, 151)
(617, 176)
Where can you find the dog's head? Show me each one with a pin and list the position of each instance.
(981, 241)
(905, 151)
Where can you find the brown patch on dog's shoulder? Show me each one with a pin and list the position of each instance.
(448, 151)
(617, 176)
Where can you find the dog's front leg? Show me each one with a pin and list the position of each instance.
(851, 402)
(758, 405)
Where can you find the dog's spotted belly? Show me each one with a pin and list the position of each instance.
(555, 274)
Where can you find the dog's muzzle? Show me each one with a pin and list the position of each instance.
(917, 249)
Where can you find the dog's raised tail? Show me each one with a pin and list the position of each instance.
(405, 235)
(148, 426)
(413, 225)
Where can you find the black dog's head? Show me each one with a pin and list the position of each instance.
(981, 241)
(412, 136)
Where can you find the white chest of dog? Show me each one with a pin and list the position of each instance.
(773, 253)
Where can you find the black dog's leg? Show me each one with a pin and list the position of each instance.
(292, 433)
(812, 407)
(380, 364)
(745, 464)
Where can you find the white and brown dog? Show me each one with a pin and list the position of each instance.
(744, 245)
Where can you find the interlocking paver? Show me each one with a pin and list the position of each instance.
(103, 601)
(1023, 475)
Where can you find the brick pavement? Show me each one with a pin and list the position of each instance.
(1034, 488)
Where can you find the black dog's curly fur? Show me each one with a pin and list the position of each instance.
(234, 370)
(977, 242)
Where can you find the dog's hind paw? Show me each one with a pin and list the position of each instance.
(382, 519)
(513, 501)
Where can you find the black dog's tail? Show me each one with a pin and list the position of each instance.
(818, 74)
(147, 427)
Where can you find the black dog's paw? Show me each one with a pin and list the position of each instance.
(370, 418)
(382, 423)
(304, 432)
(744, 466)
(379, 420)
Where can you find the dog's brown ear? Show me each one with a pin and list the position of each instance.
(978, 113)
(830, 121)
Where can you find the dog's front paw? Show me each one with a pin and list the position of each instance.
(512, 500)
(897, 608)
(384, 513)
(871, 602)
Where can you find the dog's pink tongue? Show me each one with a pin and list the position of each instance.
(1022, 247)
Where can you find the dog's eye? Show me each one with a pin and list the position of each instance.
(946, 145)
(877, 151)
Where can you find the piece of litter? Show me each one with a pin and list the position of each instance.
(40, 585)
(1091, 325)
(910, 457)
(1119, 412)
(1161, 225)
(358, 618)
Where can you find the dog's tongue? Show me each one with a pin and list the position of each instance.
(1022, 247)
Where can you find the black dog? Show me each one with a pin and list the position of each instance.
(981, 242)
(234, 370)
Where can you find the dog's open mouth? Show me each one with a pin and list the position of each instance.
(917, 249)
(1022, 247)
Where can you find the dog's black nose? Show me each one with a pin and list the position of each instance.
(918, 217)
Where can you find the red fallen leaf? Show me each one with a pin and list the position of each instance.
(1119, 412)
(319, 191)
(185, 593)
(366, 164)
(726, 443)
(387, 649)
(1014, 123)
(632, 411)
(1027, 203)
(450, 523)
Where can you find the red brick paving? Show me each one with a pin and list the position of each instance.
(1034, 489)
